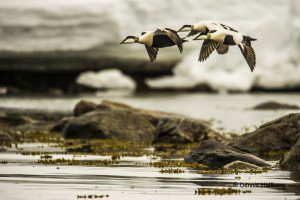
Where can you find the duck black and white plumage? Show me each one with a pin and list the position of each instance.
(228, 37)
(202, 28)
(153, 40)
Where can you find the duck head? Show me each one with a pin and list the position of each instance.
(186, 28)
(130, 39)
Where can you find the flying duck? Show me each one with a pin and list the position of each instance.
(228, 37)
(203, 28)
(153, 40)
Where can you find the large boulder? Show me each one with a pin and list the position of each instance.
(151, 115)
(215, 155)
(275, 135)
(183, 130)
(110, 124)
(291, 159)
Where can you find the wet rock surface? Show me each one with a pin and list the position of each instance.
(291, 159)
(215, 155)
(10, 120)
(240, 165)
(108, 124)
(83, 107)
(5, 138)
(275, 135)
(183, 130)
(60, 125)
(165, 127)
(272, 105)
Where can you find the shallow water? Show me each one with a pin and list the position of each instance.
(23, 178)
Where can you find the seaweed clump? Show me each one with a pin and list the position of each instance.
(217, 191)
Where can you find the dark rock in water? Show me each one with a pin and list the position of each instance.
(215, 155)
(13, 121)
(272, 105)
(291, 159)
(183, 130)
(189, 130)
(110, 124)
(275, 135)
(150, 115)
(240, 165)
(83, 107)
(3, 148)
(5, 138)
(59, 126)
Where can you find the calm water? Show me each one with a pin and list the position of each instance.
(23, 178)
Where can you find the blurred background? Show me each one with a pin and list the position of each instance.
(59, 47)
(54, 53)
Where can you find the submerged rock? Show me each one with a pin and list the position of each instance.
(272, 105)
(13, 120)
(110, 124)
(291, 159)
(215, 155)
(275, 135)
(5, 138)
(59, 126)
(183, 130)
(240, 165)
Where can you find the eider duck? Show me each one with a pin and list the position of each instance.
(153, 40)
(203, 28)
(228, 37)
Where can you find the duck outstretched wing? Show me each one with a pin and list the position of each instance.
(222, 48)
(152, 52)
(249, 55)
(172, 34)
(207, 48)
(228, 28)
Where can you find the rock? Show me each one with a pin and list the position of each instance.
(110, 124)
(3, 148)
(59, 126)
(5, 138)
(291, 159)
(275, 135)
(83, 107)
(6, 121)
(150, 115)
(215, 155)
(240, 165)
(183, 130)
(272, 105)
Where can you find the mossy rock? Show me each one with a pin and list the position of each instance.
(215, 155)
(184, 130)
(6, 138)
(110, 124)
(276, 135)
